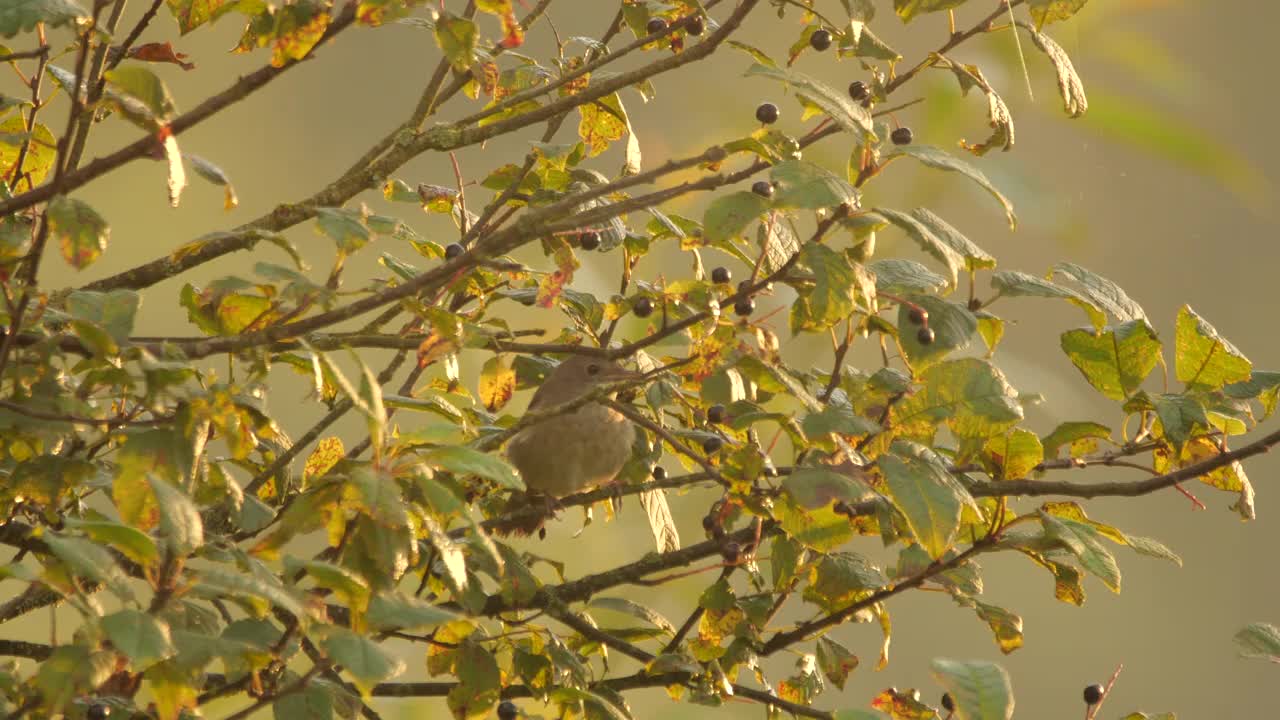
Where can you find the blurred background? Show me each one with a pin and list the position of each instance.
(1164, 187)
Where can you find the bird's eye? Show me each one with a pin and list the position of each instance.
(593, 369)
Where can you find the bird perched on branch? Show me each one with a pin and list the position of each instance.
(580, 449)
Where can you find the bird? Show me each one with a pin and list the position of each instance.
(583, 448)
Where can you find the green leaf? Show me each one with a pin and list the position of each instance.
(837, 417)
(180, 523)
(1180, 417)
(634, 609)
(840, 578)
(81, 232)
(728, 215)
(22, 15)
(457, 38)
(953, 328)
(377, 495)
(941, 160)
(980, 689)
(807, 186)
(1006, 626)
(1115, 361)
(1101, 292)
(837, 286)
(112, 311)
(466, 461)
(1083, 541)
(395, 611)
(130, 542)
(859, 41)
(1259, 640)
(366, 661)
(1013, 456)
(1048, 11)
(346, 227)
(895, 275)
(1203, 358)
(142, 638)
(1081, 436)
(929, 496)
(89, 560)
(975, 258)
(191, 14)
(479, 682)
(969, 394)
(816, 487)
(835, 103)
(928, 242)
(143, 85)
(835, 660)
(909, 9)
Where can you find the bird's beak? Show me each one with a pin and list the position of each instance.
(615, 374)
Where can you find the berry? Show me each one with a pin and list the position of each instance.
(767, 113)
(643, 307)
(925, 336)
(507, 710)
(917, 315)
(763, 188)
(712, 445)
(859, 91)
(947, 703)
(542, 535)
(841, 507)
(721, 275)
(453, 250)
(975, 304)
(696, 26)
(98, 711)
(589, 240)
(732, 552)
(715, 414)
(708, 523)
(744, 307)
(901, 136)
(820, 39)
(656, 25)
(1093, 694)
(659, 473)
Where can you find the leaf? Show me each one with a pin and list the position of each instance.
(728, 215)
(1048, 11)
(909, 9)
(971, 395)
(835, 660)
(634, 609)
(180, 523)
(1203, 357)
(161, 53)
(191, 14)
(836, 104)
(466, 461)
(998, 117)
(395, 611)
(1259, 640)
(366, 661)
(859, 41)
(479, 682)
(457, 38)
(89, 560)
(1069, 84)
(930, 498)
(214, 174)
(346, 227)
(1081, 436)
(497, 383)
(1013, 456)
(112, 311)
(1115, 361)
(941, 160)
(1180, 416)
(81, 232)
(928, 242)
(777, 243)
(807, 186)
(22, 15)
(1083, 542)
(130, 542)
(953, 328)
(661, 523)
(975, 257)
(143, 85)
(837, 286)
(819, 486)
(840, 578)
(981, 690)
(142, 638)
(41, 151)
(1102, 293)
(895, 275)
(602, 121)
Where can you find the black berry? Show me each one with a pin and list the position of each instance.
(695, 26)
(917, 315)
(744, 307)
(98, 712)
(712, 445)
(507, 710)
(1093, 694)
(820, 39)
(452, 250)
(947, 703)
(925, 336)
(901, 136)
(767, 113)
(542, 535)
(589, 240)
(721, 275)
(715, 414)
(659, 473)
(643, 307)
(859, 91)
(656, 25)
(732, 552)
(763, 188)
(708, 523)
(975, 304)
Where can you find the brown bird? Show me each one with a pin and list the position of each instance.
(580, 449)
